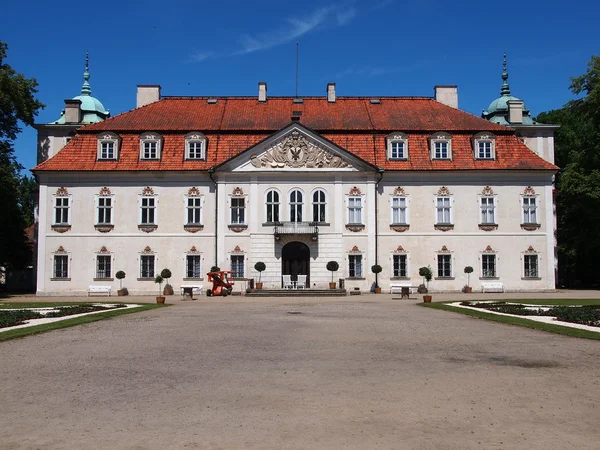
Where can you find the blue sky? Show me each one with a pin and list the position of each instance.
(375, 48)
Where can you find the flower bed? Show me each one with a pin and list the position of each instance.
(14, 317)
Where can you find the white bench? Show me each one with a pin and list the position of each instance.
(197, 288)
(98, 289)
(492, 286)
(397, 286)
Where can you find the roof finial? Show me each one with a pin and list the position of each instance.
(86, 89)
(505, 90)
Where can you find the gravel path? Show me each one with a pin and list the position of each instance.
(345, 373)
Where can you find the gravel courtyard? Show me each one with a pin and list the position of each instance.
(355, 373)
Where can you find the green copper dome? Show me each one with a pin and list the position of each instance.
(497, 112)
(92, 110)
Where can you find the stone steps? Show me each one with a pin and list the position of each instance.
(297, 293)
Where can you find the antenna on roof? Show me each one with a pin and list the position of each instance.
(297, 69)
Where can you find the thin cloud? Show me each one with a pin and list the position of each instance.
(330, 16)
(370, 71)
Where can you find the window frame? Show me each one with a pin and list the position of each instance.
(350, 208)
(67, 208)
(195, 138)
(234, 274)
(154, 208)
(450, 208)
(484, 138)
(439, 138)
(150, 257)
(451, 269)
(187, 208)
(484, 274)
(273, 206)
(108, 138)
(148, 138)
(295, 206)
(394, 138)
(406, 209)
(527, 274)
(393, 265)
(487, 208)
(524, 214)
(244, 207)
(98, 198)
(352, 265)
(67, 273)
(187, 266)
(110, 267)
(321, 205)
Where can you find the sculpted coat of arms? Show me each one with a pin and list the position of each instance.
(296, 151)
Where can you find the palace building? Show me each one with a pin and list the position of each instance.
(186, 183)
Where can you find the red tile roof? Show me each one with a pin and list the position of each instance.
(234, 124)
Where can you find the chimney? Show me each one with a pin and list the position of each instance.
(331, 92)
(515, 111)
(72, 111)
(262, 91)
(146, 94)
(447, 95)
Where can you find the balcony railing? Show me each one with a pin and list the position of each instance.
(296, 228)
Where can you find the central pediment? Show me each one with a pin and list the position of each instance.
(295, 148)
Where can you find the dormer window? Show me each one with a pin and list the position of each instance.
(441, 146)
(150, 146)
(484, 146)
(108, 146)
(397, 146)
(195, 146)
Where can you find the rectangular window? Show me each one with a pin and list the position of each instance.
(61, 211)
(487, 210)
(355, 210)
(488, 266)
(150, 150)
(399, 269)
(107, 150)
(61, 266)
(485, 150)
(193, 266)
(104, 210)
(195, 150)
(148, 211)
(399, 210)
(147, 266)
(441, 150)
(238, 210)
(444, 266)
(531, 266)
(443, 210)
(355, 266)
(194, 209)
(103, 266)
(237, 266)
(529, 210)
(397, 150)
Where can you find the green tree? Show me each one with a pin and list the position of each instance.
(577, 152)
(17, 105)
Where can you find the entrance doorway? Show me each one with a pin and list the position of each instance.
(295, 260)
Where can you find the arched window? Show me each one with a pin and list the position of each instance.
(272, 204)
(319, 206)
(296, 205)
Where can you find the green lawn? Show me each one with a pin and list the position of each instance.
(27, 331)
(523, 322)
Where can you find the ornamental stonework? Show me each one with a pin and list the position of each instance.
(193, 249)
(487, 191)
(148, 191)
(238, 192)
(355, 249)
(488, 226)
(444, 249)
(61, 228)
(193, 192)
(399, 191)
(443, 191)
(489, 249)
(444, 227)
(530, 226)
(296, 151)
(399, 228)
(355, 228)
(147, 249)
(60, 249)
(62, 191)
(400, 249)
(104, 228)
(237, 249)
(355, 191)
(193, 228)
(103, 250)
(529, 191)
(530, 250)
(105, 191)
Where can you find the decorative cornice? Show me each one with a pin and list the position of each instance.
(103, 250)
(193, 192)
(295, 151)
(193, 228)
(61, 228)
(147, 249)
(443, 192)
(529, 191)
(530, 226)
(238, 191)
(238, 228)
(105, 191)
(487, 191)
(60, 249)
(444, 227)
(488, 226)
(148, 191)
(355, 228)
(399, 191)
(489, 249)
(355, 249)
(147, 228)
(399, 228)
(355, 191)
(530, 250)
(444, 249)
(237, 249)
(400, 249)
(62, 191)
(193, 249)
(104, 228)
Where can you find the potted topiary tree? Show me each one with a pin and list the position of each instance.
(468, 271)
(332, 266)
(159, 280)
(259, 267)
(427, 275)
(376, 269)
(166, 274)
(120, 275)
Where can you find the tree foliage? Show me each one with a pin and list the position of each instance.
(17, 105)
(577, 152)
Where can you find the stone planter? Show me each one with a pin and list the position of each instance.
(332, 285)
(427, 298)
(259, 285)
(160, 299)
